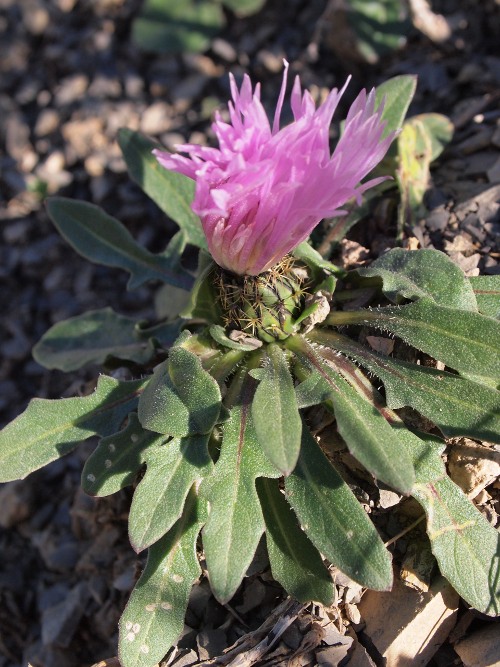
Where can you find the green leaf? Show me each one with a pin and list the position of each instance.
(167, 26)
(244, 7)
(457, 405)
(421, 141)
(102, 239)
(203, 302)
(275, 411)
(247, 344)
(466, 341)
(172, 192)
(334, 520)
(378, 27)
(181, 398)
(416, 274)
(367, 434)
(154, 616)
(235, 523)
(398, 92)
(318, 265)
(172, 469)
(465, 544)
(92, 338)
(295, 563)
(48, 429)
(117, 459)
(487, 291)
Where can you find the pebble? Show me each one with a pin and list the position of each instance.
(59, 622)
(48, 121)
(71, 89)
(224, 50)
(437, 220)
(156, 119)
(17, 503)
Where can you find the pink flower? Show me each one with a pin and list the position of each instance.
(264, 189)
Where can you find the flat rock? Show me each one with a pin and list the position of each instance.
(60, 622)
(482, 648)
(407, 627)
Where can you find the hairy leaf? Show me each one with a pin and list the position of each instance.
(48, 429)
(397, 92)
(487, 291)
(181, 398)
(334, 520)
(275, 412)
(154, 616)
(465, 545)
(422, 273)
(104, 240)
(92, 338)
(463, 340)
(235, 523)
(117, 459)
(369, 437)
(172, 469)
(295, 562)
(171, 191)
(457, 405)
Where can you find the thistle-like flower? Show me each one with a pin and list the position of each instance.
(263, 191)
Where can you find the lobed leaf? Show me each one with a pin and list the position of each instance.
(465, 544)
(367, 434)
(295, 563)
(413, 275)
(49, 429)
(235, 523)
(181, 398)
(103, 239)
(457, 405)
(118, 458)
(334, 520)
(154, 616)
(466, 341)
(172, 469)
(172, 192)
(275, 412)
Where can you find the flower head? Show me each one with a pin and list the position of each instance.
(264, 189)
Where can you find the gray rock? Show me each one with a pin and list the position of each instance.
(59, 622)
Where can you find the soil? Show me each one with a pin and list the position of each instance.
(70, 78)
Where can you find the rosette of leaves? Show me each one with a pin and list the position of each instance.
(215, 431)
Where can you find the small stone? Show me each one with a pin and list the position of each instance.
(388, 498)
(352, 613)
(224, 50)
(480, 648)
(493, 172)
(71, 89)
(17, 503)
(473, 467)
(104, 87)
(211, 643)
(437, 220)
(59, 622)
(156, 119)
